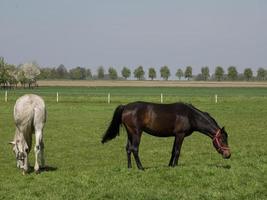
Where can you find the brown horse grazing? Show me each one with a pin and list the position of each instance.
(164, 120)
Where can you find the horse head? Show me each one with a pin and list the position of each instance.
(220, 142)
(21, 150)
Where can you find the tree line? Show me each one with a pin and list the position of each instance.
(139, 73)
(27, 74)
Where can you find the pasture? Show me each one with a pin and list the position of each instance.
(80, 167)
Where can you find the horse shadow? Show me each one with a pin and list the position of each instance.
(43, 169)
(222, 166)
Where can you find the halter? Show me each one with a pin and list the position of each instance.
(215, 140)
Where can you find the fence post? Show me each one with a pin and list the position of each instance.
(57, 97)
(216, 98)
(6, 96)
(108, 98)
(161, 98)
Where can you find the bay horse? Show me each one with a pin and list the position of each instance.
(30, 117)
(164, 120)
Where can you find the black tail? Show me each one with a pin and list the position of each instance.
(114, 127)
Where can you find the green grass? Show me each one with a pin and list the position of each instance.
(82, 168)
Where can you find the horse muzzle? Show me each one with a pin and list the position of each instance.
(226, 154)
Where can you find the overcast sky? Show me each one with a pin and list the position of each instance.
(151, 33)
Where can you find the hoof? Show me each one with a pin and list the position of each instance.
(37, 171)
(25, 172)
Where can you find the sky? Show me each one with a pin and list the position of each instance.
(151, 33)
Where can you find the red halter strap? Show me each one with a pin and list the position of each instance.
(216, 140)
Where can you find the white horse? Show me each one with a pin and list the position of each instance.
(30, 118)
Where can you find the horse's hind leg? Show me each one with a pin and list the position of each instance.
(135, 145)
(39, 149)
(128, 151)
(42, 160)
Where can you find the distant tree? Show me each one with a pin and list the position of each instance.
(248, 74)
(88, 74)
(139, 73)
(152, 73)
(232, 73)
(78, 73)
(62, 72)
(126, 72)
(53, 73)
(219, 73)
(112, 73)
(4, 75)
(45, 73)
(261, 74)
(165, 72)
(100, 72)
(188, 72)
(22, 78)
(205, 73)
(75, 74)
(30, 71)
(179, 74)
(12, 75)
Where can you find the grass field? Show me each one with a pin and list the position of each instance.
(80, 167)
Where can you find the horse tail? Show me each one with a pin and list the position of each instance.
(114, 127)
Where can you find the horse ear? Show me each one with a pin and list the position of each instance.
(12, 142)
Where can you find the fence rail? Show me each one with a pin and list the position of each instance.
(61, 97)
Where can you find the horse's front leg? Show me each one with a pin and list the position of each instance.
(178, 141)
(26, 165)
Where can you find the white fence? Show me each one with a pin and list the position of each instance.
(108, 98)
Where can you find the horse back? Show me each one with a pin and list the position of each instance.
(161, 120)
(29, 110)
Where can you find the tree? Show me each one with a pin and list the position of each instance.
(179, 73)
(139, 73)
(188, 72)
(45, 73)
(126, 72)
(88, 74)
(261, 74)
(4, 75)
(100, 72)
(219, 73)
(152, 73)
(30, 72)
(248, 74)
(205, 73)
(165, 72)
(232, 73)
(12, 75)
(112, 73)
(62, 72)
(78, 73)
(21, 78)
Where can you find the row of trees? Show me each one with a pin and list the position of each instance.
(80, 73)
(27, 74)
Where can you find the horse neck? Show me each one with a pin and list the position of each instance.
(206, 125)
(18, 136)
(22, 138)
